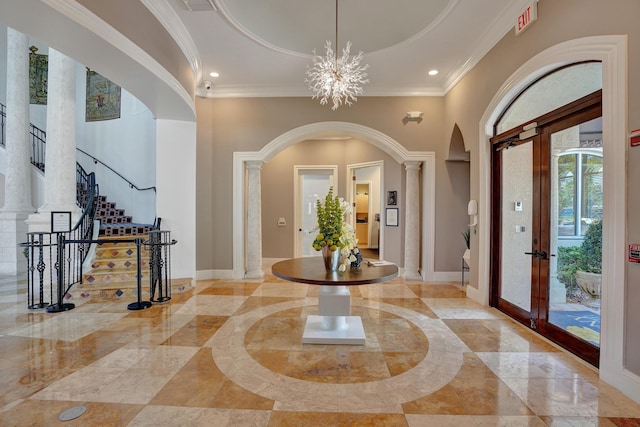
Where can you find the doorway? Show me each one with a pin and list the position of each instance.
(310, 184)
(365, 191)
(547, 192)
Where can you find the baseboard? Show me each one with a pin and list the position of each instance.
(447, 276)
(214, 274)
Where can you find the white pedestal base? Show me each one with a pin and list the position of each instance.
(333, 330)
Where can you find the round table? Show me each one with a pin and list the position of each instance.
(334, 323)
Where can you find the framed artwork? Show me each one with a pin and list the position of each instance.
(60, 222)
(38, 68)
(391, 217)
(392, 198)
(103, 98)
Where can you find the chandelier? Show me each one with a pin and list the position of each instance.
(338, 79)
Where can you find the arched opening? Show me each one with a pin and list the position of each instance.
(611, 51)
(328, 130)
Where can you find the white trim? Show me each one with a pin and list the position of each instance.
(171, 22)
(350, 189)
(612, 51)
(85, 18)
(428, 218)
(322, 129)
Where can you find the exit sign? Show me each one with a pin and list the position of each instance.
(527, 17)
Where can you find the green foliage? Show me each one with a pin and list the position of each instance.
(591, 249)
(586, 257)
(568, 257)
(330, 219)
(467, 238)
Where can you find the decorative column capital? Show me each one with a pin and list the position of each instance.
(254, 164)
(412, 165)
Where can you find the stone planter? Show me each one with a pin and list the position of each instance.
(591, 284)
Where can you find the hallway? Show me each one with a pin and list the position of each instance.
(229, 353)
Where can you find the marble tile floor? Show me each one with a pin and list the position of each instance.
(229, 353)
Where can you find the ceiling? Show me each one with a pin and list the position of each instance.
(262, 47)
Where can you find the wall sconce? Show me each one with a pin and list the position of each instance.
(414, 115)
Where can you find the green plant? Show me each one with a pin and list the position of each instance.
(467, 237)
(568, 257)
(330, 219)
(590, 259)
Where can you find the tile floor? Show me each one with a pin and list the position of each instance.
(229, 353)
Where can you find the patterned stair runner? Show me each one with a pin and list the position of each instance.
(113, 273)
(114, 222)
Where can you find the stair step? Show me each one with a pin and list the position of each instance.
(125, 229)
(125, 291)
(123, 279)
(117, 265)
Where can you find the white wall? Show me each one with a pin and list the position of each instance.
(126, 145)
(176, 203)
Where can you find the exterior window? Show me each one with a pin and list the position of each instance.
(579, 192)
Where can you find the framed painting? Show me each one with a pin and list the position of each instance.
(103, 98)
(38, 68)
(391, 217)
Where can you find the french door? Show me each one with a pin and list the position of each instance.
(535, 212)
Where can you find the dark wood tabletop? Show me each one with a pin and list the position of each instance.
(311, 270)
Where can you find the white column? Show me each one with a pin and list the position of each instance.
(60, 157)
(254, 222)
(17, 188)
(412, 222)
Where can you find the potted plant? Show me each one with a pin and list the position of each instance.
(336, 238)
(467, 239)
(589, 262)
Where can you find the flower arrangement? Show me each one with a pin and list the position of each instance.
(333, 230)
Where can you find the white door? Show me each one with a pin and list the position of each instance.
(312, 183)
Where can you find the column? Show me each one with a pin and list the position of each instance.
(60, 158)
(412, 222)
(254, 222)
(17, 187)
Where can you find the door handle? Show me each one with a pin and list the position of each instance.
(541, 255)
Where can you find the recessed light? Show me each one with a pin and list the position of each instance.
(433, 72)
(214, 74)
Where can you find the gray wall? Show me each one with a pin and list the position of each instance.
(248, 124)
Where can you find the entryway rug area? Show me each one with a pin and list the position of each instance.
(584, 324)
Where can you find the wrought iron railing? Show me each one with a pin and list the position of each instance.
(44, 254)
(38, 138)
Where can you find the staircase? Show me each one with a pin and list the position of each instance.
(113, 273)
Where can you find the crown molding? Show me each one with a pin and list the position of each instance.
(169, 19)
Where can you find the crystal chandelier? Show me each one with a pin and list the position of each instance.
(338, 79)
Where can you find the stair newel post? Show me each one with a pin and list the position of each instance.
(60, 306)
(139, 305)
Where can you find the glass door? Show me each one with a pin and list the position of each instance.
(546, 225)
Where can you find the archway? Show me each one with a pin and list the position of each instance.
(611, 51)
(324, 129)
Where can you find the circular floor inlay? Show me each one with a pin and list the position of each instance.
(393, 346)
(232, 348)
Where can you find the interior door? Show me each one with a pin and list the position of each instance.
(312, 183)
(529, 194)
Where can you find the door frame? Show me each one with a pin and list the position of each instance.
(612, 51)
(579, 111)
(351, 168)
(298, 171)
